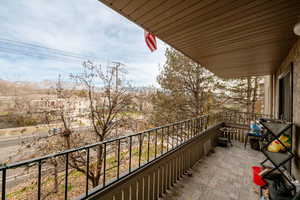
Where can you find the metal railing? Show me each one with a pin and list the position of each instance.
(242, 118)
(124, 155)
(152, 181)
(237, 124)
(140, 148)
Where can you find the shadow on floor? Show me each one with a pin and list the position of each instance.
(223, 175)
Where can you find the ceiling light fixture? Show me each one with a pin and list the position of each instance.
(297, 28)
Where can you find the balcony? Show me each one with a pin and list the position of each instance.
(224, 174)
(176, 161)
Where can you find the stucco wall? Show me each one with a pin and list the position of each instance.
(293, 57)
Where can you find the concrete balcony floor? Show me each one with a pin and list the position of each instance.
(225, 174)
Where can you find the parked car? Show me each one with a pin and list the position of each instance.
(54, 131)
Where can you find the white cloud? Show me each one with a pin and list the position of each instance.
(80, 26)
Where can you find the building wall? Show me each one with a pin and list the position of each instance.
(293, 57)
(268, 95)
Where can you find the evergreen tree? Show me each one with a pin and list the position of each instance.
(187, 89)
(245, 93)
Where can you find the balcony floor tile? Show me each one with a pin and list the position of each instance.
(225, 174)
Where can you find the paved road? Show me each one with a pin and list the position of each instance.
(19, 176)
(11, 141)
(9, 147)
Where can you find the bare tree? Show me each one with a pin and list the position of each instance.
(108, 109)
(58, 139)
(109, 100)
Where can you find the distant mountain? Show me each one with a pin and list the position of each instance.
(11, 88)
(8, 88)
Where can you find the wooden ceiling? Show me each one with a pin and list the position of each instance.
(231, 38)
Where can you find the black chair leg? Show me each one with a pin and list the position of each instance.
(261, 192)
(246, 141)
(230, 141)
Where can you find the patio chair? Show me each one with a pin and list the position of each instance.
(224, 136)
(254, 133)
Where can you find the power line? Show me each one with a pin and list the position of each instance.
(37, 55)
(34, 50)
(35, 46)
(21, 48)
(40, 47)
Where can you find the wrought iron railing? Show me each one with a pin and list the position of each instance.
(121, 156)
(140, 149)
(242, 118)
(237, 124)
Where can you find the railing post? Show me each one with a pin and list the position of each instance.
(118, 159)
(202, 124)
(39, 179)
(140, 149)
(130, 152)
(181, 132)
(236, 117)
(155, 147)
(193, 127)
(162, 141)
(104, 165)
(173, 132)
(168, 135)
(190, 129)
(148, 147)
(186, 130)
(3, 184)
(87, 171)
(196, 126)
(66, 175)
(177, 134)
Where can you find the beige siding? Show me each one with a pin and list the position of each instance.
(293, 57)
(268, 95)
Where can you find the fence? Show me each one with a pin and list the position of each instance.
(159, 155)
(241, 118)
(154, 179)
(119, 157)
(237, 124)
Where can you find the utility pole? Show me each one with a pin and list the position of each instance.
(59, 87)
(117, 68)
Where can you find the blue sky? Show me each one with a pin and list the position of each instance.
(85, 27)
